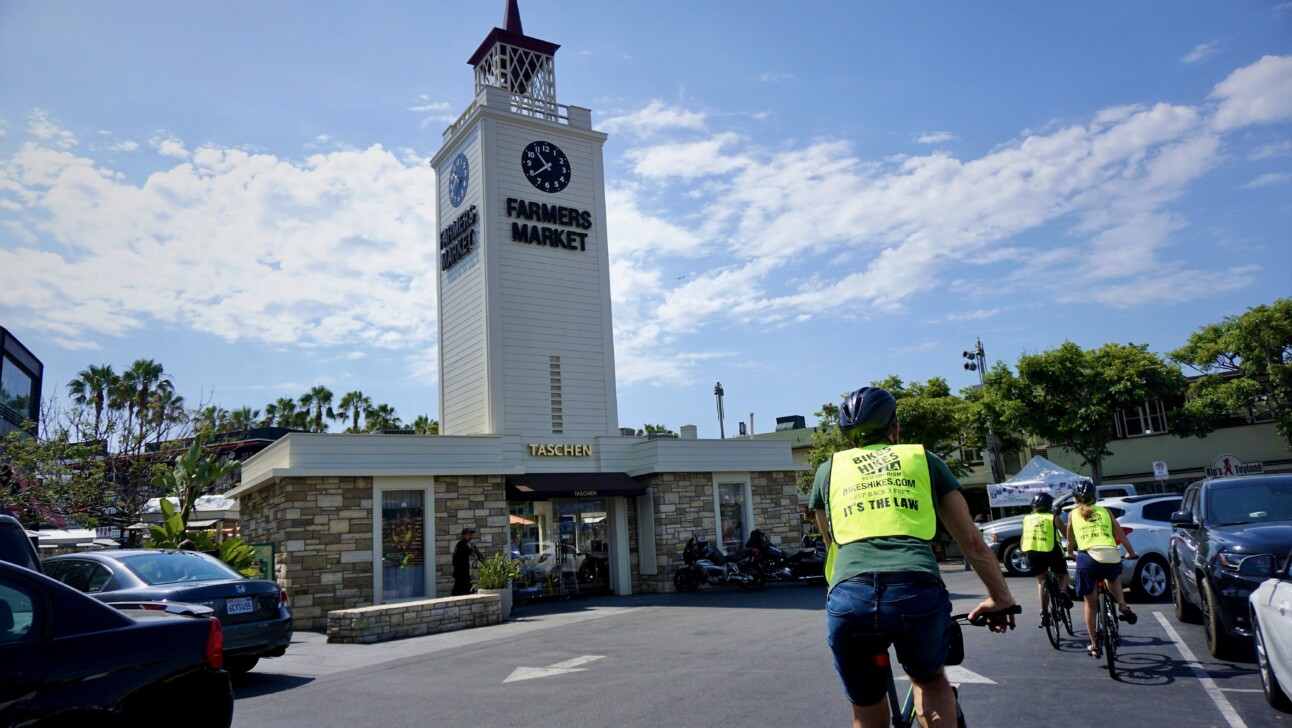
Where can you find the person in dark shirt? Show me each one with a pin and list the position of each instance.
(462, 555)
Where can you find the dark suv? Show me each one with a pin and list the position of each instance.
(16, 546)
(1227, 538)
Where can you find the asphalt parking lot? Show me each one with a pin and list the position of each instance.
(719, 657)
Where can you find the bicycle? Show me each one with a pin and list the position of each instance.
(1107, 633)
(1055, 612)
(903, 713)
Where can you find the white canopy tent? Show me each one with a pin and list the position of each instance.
(1038, 476)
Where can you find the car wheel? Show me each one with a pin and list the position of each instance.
(1184, 611)
(240, 665)
(1219, 643)
(1274, 694)
(1152, 579)
(1016, 563)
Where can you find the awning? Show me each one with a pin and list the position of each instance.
(542, 486)
(202, 524)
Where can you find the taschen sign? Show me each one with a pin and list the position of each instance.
(1228, 465)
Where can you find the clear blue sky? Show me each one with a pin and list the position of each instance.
(803, 197)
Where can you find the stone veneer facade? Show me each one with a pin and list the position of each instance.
(322, 530)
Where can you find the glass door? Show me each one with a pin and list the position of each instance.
(403, 550)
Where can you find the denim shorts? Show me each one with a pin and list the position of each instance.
(1090, 571)
(866, 614)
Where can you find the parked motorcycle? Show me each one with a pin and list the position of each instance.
(705, 564)
(806, 564)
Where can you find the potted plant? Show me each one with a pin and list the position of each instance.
(494, 576)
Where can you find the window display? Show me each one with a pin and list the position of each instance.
(403, 548)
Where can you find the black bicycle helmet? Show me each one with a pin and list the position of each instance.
(869, 410)
(1084, 492)
(1042, 502)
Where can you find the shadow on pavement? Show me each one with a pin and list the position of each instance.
(255, 684)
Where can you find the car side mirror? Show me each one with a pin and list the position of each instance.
(1183, 519)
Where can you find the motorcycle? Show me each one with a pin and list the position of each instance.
(705, 564)
(806, 564)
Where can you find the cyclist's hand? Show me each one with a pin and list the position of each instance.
(999, 623)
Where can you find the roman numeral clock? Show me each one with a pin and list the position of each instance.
(525, 337)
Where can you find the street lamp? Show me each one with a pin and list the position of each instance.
(977, 362)
(717, 392)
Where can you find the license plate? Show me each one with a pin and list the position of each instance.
(241, 605)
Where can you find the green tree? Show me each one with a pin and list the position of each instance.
(194, 473)
(51, 479)
(1246, 363)
(932, 416)
(1069, 396)
(826, 441)
(655, 430)
(317, 403)
(136, 389)
(243, 418)
(353, 405)
(92, 387)
(380, 417)
(424, 425)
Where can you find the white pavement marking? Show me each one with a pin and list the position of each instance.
(560, 668)
(959, 675)
(1208, 684)
(1242, 690)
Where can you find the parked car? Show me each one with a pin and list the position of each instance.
(67, 659)
(255, 613)
(1146, 519)
(16, 546)
(1003, 534)
(1271, 614)
(1228, 537)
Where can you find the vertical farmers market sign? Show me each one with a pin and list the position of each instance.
(459, 238)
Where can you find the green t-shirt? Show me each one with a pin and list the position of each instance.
(887, 553)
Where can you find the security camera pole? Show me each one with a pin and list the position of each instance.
(978, 363)
(717, 392)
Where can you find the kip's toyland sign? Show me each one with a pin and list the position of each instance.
(1227, 465)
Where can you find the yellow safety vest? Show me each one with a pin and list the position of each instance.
(1097, 531)
(1038, 532)
(880, 490)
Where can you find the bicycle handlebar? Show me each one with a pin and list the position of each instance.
(982, 620)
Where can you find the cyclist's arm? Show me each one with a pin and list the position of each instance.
(953, 512)
(1072, 545)
(1120, 535)
(823, 526)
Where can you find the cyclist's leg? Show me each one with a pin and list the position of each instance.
(850, 624)
(935, 701)
(871, 716)
(1086, 578)
(918, 616)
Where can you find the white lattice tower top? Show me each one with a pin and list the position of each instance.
(524, 66)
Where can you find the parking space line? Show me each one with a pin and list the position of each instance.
(1208, 684)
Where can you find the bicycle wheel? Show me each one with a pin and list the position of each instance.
(1108, 612)
(1067, 619)
(1053, 612)
(960, 714)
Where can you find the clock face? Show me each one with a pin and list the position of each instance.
(545, 166)
(459, 175)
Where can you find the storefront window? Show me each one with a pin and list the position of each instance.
(15, 391)
(731, 509)
(403, 548)
(562, 546)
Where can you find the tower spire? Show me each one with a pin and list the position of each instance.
(511, 19)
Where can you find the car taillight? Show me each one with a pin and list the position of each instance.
(282, 598)
(214, 654)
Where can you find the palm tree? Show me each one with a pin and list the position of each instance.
(136, 387)
(381, 417)
(319, 401)
(424, 425)
(284, 409)
(243, 418)
(93, 385)
(352, 405)
(165, 408)
(214, 418)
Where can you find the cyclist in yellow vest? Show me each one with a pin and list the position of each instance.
(880, 503)
(1093, 527)
(1040, 543)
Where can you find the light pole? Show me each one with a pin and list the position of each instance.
(717, 392)
(977, 362)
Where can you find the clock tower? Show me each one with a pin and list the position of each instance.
(525, 339)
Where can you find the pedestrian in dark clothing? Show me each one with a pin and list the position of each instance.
(462, 555)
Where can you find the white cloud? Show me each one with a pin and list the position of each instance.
(655, 117)
(1267, 180)
(125, 145)
(776, 77)
(1276, 149)
(694, 159)
(41, 127)
(1257, 94)
(329, 251)
(169, 146)
(1201, 52)
(935, 137)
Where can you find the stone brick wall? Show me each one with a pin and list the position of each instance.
(468, 500)
(321, 529)
(684, 507)
(367, 625)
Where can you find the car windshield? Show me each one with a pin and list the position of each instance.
(1257, 502)
(171, 567)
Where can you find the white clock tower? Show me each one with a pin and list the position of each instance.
(525, 339)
